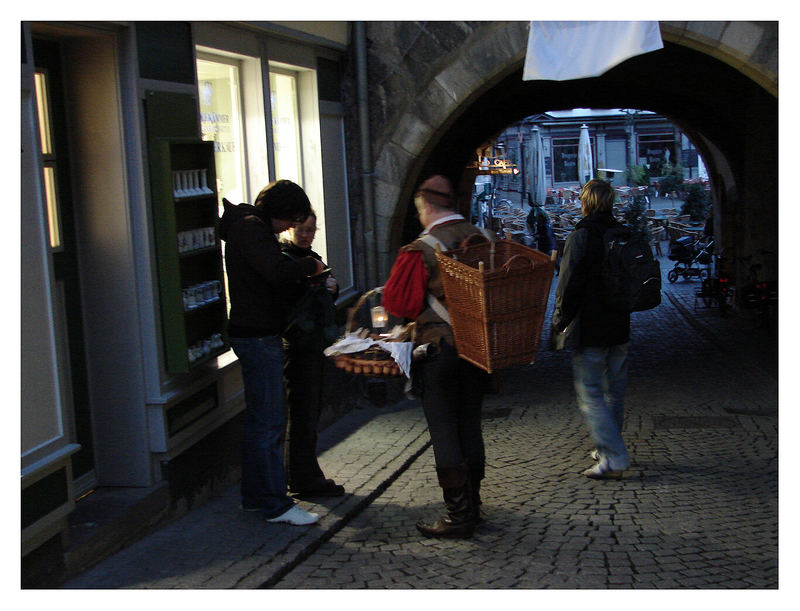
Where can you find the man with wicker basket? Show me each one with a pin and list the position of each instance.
(599, 334)
(451, 388)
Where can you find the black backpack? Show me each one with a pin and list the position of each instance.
(631, 276)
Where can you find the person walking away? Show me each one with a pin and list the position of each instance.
(258, 279)
(451, 388)
(312, 328)
(539, 225)
(599, 335)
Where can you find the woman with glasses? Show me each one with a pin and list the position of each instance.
(311, 329)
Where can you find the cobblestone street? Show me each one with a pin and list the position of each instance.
(698, 508)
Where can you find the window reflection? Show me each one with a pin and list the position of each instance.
(221, 123)
(286, 126)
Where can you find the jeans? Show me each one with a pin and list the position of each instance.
(452, 394)
(600, 375)
(263, 476)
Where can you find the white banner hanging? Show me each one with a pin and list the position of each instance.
(564, 50)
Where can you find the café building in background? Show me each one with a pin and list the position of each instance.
(619, 138)
(131, 135)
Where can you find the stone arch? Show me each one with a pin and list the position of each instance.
(748, 46)
(485, 61)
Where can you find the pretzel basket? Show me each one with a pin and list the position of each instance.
(496, 294)
(374, 361)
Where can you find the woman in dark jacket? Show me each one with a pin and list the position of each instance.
(539, 226)
(258, 278)
(599, 334)
(309, 333)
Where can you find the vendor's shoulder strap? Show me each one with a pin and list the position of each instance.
(436, 305)
(430, 240)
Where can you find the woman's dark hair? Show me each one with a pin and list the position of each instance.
(283, 200)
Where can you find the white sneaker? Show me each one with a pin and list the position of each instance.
(296, 516)
(602, 471)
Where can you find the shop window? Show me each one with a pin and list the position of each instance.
(221, 121)
(297, 138)
(656, 150)
(565, 159)
(286, 125)
(49, 160)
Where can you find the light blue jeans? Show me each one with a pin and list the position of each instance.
(600, 375)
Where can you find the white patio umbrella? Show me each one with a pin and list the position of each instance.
(585, 162)
(701, 169)
(538, 188)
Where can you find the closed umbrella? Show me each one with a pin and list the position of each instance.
(585, 162)
(527, 172)
(538, 190)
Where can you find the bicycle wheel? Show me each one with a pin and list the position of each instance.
(672, 276)
(707, 292)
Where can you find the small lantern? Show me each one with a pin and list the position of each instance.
(379, 317)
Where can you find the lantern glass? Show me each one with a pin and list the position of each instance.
(379, 317)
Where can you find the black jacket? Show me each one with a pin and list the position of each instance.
(313, 323)
(580, 287)
(260, 278)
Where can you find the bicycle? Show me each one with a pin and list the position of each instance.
(759, 295)
(716, 290)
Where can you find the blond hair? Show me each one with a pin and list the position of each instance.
(597, 196)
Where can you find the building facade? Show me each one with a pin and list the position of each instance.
(618, 139)
(132, 133)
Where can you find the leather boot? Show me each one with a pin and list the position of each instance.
(475, 477)
(459, 521)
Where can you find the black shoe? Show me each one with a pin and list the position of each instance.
(447, 528)
(326, 488)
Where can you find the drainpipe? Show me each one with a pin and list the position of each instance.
(370, 246)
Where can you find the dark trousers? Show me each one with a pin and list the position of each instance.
(263, 479)
(303, 379)
(452, 394)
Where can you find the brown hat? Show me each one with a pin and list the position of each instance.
(438, 191)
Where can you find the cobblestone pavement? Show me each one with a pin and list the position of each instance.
(698, 509)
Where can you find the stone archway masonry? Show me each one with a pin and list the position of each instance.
(472, 57)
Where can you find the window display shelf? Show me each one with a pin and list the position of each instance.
(189, 253)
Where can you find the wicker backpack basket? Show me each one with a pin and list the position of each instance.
(496, 294)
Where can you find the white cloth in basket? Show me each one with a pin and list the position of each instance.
(399, 351)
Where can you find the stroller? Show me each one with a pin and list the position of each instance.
(689, 255)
